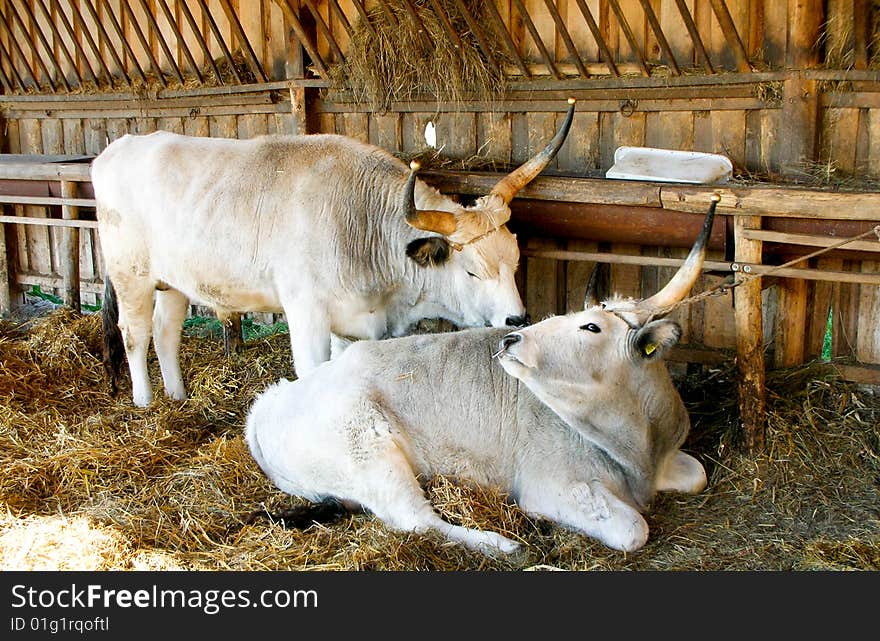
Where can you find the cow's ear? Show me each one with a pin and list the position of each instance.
(655, 339)
(429, 252)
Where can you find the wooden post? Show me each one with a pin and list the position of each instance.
(233, 338)
(5, 292)
(750, 337)
(805, 30)
(70, 249)
(296, 69)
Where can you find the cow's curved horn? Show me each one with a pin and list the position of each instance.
(507, 187)
(591, 297)
(678, 287)
(441, 222)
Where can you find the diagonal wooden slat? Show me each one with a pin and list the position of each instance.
(59, 39)
(417, 21)
(536, 37)
(87, 35)
(32, 46)
(104, 38)
(630, 36)
(597, 36)
(117, 27)
(365, 17)
(566, 38)
(388, 13)
(695, 35)
(478, 34)
(728, 28)
(166, 50)
(181, 42)
(251, 56)
(200, 39)
(5, 52)
(661, 37)
(218, 36)
(8, 87)
(303, 37)
(145, 44)
(325, 30)
(502, 30)
(62, 18)
(343, 19)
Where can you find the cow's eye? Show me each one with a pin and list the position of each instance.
(473, 275)
(591, 327)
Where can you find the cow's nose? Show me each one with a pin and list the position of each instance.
(518, 321)
(510, 339)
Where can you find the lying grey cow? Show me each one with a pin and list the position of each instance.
(575, 417)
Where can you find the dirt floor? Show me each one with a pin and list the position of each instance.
(91, 482)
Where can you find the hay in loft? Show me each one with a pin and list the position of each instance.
(171, 486)
(390, 60)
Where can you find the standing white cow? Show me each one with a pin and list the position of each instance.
(580, 424)
(329, 230)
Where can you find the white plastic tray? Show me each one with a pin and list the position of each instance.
(670, 165)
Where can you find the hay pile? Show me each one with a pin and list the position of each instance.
(91, 482)
(391, 60)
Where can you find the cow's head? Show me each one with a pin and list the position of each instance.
(475, 248)
(601, 369)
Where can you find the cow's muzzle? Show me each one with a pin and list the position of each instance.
(518, 321)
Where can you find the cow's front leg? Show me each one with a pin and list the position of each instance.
(309, 336)
(591, 508)
(135, 300)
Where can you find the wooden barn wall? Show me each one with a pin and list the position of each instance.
(741, 119)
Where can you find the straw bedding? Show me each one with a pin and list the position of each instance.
(91, 482)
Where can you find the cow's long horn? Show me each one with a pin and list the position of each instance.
(591, 297)
(680, 284)
(441, 222)
(507, 187)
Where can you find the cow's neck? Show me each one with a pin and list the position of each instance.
(623, 437)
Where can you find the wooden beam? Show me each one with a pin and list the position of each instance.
(304, 39)
(111, 18)
(805, 32)
(87, 35)
(245, 44)
(152, 24)
(661, 37)
(500, 27)
(566, 38)
(145, 43)
(49, 222)
(200, 39)
(695, 35)
(70, 249)
(800, 125)
(630, 36)
(791, 321)
(597, 35)
(221, 42)
(62, 18)
(750, 339)
(728, 28)
(32, 46)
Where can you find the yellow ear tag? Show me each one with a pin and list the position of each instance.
(650, 348)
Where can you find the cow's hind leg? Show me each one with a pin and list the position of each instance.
(168, 317)
(135, 300)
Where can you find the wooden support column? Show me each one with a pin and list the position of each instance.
(5, 291)
(296, 69)
(70, 249)
(233, 339)
(750, 337)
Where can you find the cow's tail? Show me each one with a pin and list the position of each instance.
(114, 348)
(327, 511)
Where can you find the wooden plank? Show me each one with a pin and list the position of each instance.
(357, 126)
(541, 281)
(252, 125)
(579, 29)
(810, 240)
(804, 31)
(676, 32)
(385, 131)
(39, 221)
(224, 127)
(670, 130)
(800, 116)
(38, 242)
(170, 124)
(868, 340)
(53, 143)
(862, 374)
(494, 137)
(276, 63)
(731, 17)
(845, 305)
(69, 254)
(874, 143)
(729, 136)
(579, 154)
(840, 128)
(412, 131)
(577, 274)
(749, 339)
(719, 329)
(456, 135)
(198, 126)
(791, 321)
(818, 308)
(626, 278)
(615, 130)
